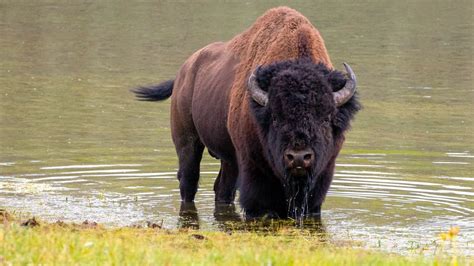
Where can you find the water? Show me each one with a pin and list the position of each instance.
(75, 145)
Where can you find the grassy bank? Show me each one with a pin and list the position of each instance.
(66, 244)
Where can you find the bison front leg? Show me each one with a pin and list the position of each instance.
(226, 182)
(323, 182)
(262, 196)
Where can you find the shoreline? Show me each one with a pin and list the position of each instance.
(37, 242)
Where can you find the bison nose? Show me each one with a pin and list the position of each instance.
(299, 159)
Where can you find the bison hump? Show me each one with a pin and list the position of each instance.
(281, 33)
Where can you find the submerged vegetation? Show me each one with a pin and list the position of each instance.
(34, 242)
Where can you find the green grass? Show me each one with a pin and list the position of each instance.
(65, 244)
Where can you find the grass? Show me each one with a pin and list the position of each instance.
(91, 244)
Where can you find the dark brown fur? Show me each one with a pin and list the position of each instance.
(211, 108)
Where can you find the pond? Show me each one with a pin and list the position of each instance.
(75, 145)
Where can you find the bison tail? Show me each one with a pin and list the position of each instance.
(152, 93)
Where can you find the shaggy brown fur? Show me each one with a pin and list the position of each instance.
(211, 108)
(281, 33)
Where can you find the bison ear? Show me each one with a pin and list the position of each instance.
(264, 76)
(343, 95)
(344, 86)
(259, 82)
(336, 79)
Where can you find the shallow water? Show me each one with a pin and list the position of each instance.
(75, 145)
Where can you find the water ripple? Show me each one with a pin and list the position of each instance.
(87, 166)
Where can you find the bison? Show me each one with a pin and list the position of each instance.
(269, 105)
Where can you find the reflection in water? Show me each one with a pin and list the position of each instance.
(226, 213)
(228, 220)
(188, 216)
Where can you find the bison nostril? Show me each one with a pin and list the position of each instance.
(299, 158)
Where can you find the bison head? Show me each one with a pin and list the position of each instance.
(301, 109)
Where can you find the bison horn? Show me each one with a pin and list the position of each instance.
(343, 95)
(257, 94)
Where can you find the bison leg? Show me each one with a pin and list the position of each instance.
(226, 183)
(262, 196)
(190, 155)
(321, 189)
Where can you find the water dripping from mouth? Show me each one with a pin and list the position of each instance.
(298, 193)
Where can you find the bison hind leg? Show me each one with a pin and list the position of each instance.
(190, 155)
(226, 182)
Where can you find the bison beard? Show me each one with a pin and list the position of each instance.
(269, 105)
(297, 194)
